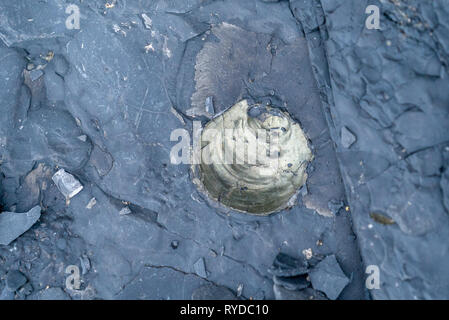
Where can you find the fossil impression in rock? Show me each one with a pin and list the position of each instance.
(252, 159)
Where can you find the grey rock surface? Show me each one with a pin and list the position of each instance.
(52, 294)
(125, 81)
(127, 78)
(388, 86)
(328, 277)
(14, 224)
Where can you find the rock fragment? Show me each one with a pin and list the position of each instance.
(328, 277)
(67, 183)
(92, 202)
(347, 138)
(15, 280)
(124, 211)
(287, 266)
(200, 268)
(82, 138)
(13, 224)
(85, 264)
(240, 290)
(25, 291)
(147, 21)
(308, 254)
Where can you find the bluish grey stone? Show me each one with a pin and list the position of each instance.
(288, 266)
(15, 280)
(347, 138)
(328, 277)
(200, 268)
(54, 293)
(13, 224)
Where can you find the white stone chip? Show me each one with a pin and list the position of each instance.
(67, 183)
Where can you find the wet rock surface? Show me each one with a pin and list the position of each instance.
(129, 76)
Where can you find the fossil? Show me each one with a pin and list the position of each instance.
(252, 159)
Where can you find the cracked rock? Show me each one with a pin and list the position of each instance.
(13, 225)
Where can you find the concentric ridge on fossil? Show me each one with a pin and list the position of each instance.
(252, 159)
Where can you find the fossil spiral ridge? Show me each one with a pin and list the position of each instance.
(252, 159)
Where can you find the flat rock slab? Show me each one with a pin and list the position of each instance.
(13, 224)
(328, 277)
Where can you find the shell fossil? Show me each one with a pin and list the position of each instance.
(252, 159)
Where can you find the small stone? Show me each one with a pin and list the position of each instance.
(328, 277)
(67, 184)
(92, 203)
(200, 268)
(125, 211)
(287, 266)
(147, 21)
(240, 290)
(85, 264)
(83, 138)
(174, 244)
(15, 280)
(13, 225)
(347, 138)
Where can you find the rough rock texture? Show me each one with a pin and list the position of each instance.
(101, 102)
(389, 88)
(102, 105)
